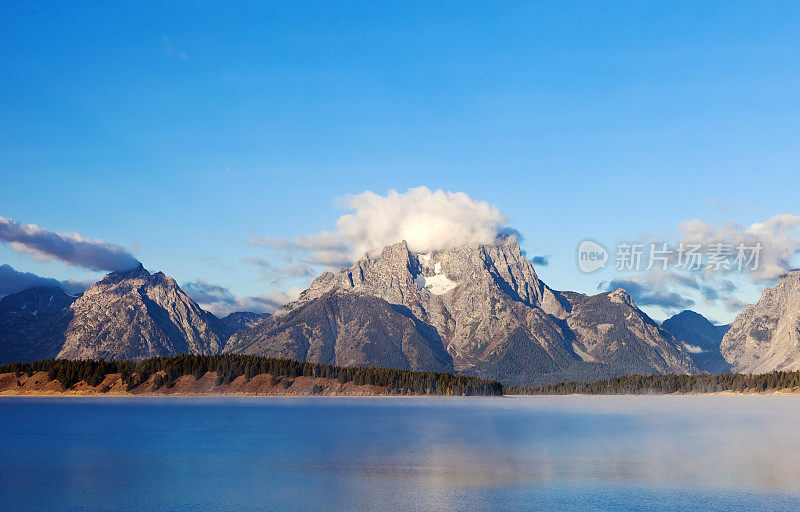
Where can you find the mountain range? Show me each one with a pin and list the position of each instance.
(125, 315)
(478, 309)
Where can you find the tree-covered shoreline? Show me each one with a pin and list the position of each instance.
(167, 370)
(669, 384)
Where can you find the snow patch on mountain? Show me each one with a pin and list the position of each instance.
(437, 284)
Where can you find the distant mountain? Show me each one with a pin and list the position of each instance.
(32, 324)
(478, 309)
(766, 335)
(135, 315)
(701, 338)
(240, 320)
(611, 330)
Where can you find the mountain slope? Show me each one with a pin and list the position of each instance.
(135, 315)
(347, 329)
(766, 335)
(701, 338)
(32, 324)
(611, 330)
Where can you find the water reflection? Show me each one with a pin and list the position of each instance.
(430, 454)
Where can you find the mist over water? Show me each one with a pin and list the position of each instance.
(564, 453)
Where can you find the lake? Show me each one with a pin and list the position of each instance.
(721, 453)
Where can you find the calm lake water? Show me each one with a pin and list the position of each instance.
(539, 453)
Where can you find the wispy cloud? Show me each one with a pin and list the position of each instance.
(171, 50)
(324, 248)
(778, 238)
(204, 292)
(220, 301)
(13, 281)
(276, 274)
(733, 304)
(70, 248)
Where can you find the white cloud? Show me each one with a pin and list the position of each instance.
(426, 219)
(779, 237)
(719, 289)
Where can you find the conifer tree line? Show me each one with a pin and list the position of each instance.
(663, 384)
(168, 370)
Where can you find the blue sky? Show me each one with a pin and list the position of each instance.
(182, 131)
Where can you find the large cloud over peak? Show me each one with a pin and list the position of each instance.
(70, 248)
(426, 219)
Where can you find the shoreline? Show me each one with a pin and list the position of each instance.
(38, 385)
(68, 394)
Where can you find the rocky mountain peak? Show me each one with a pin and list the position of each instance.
(620, 296)
(135, 314)
(401, 276)
(137, 271)
(609, 328)
(397, 254)
(35, 301)
(687, 315)
(766, 336)
(790, 279)
(135, 276)
(48, 293)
